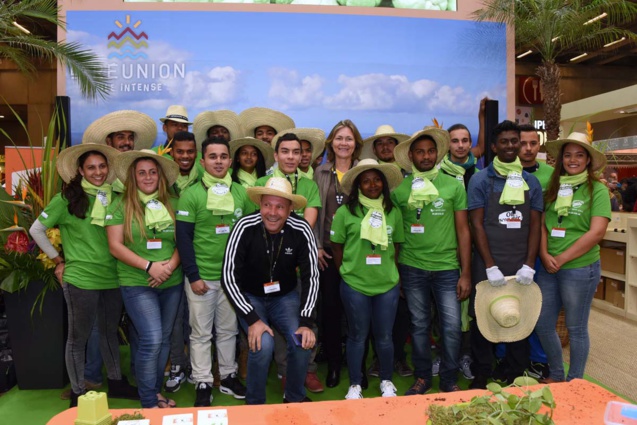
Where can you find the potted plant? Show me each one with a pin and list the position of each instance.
(35, 306)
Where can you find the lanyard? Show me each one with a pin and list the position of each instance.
(269, 249)
(296, 181)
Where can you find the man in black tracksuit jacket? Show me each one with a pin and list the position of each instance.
(259, 276)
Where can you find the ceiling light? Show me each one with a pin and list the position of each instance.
(596, 18)
(528, 52)
(579, 57)
(614, 42)
(23, 29)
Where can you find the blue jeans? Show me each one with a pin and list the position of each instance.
(153, 312)
(574, 289)
(361, 310)
(418, 287)
(281, 312)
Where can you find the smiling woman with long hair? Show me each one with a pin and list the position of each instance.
(365, 237)
(87, 270)
(576, 214)
(141, 236)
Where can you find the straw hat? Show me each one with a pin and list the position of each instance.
(125, 120)
(252, 118)
(391, 172)
(176, 113)
(277, 186)
(125, 159)
(222, 117)
(67, 160)
(264, 148)
(598, 159)
(507, 313)
(315, 136)
(441, 137)
(382, 131)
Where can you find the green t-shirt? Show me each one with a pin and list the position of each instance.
(543, 174)
(305, 187)
(131, 276)
(367, 279)
(209, 245)
(435, 247)
(89, 263)
(578, 222)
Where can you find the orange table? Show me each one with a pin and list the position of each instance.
(578, 402)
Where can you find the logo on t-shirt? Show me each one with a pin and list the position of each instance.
(390, 230)
(238, 212)
(438, 207)
(509, 217)
(288, 251)
(576, 207)
(183, 213)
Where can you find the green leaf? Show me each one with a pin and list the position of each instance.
(537, 394)
(534, 405)
(513, 401)
(10, 283)
(524, 381)
(547, 394)
(494, 387)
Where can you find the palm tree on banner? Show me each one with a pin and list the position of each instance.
(552, 27)
(20, 46)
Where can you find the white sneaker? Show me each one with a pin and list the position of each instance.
(355, 392)
(387, 389)
(435, 366)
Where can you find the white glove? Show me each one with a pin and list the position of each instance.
(525, 275)
(495, 276)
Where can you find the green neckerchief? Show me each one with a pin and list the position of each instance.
(513, 193)
(220, 200)
(423, 191)
(102, 200)
(453, 169)
(374, 224)
(308, 175)
(185, 181)
(247, 179)
(279, 173)
(118, 186)
(156, 215)
(565, 194)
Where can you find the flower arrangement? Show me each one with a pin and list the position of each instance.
(21, 261)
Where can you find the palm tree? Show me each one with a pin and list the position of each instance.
(552, 27)
(21, 46)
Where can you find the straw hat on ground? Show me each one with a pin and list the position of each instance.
(264, 148)
(222, 117)
(139, 123)
(392, 174)
(176, 113)
(598, 159)
(277, 186)
(252, 118)
(125, 159)
(67, 165)
(507, 313)
(440, 136)
(315, 136)
(382, 131)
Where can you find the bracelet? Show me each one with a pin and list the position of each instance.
(148, 266)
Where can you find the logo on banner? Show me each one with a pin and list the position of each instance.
(127, 43)
(131, 67)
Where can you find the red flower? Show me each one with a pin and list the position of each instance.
(18, 242)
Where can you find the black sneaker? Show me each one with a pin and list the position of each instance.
(421, 386)
(539, 370)
(479, 382)
(232, 386)
(204, 395)
(305, 400)
(176, 376)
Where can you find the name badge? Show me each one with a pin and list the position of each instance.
(271, 287)
(373, 260)
(222, 229)
(417, 228)
(514, 224)
(558, 232)
(153, 244)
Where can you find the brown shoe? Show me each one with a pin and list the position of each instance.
(312, 383)
(90, 386)
(548, 380)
